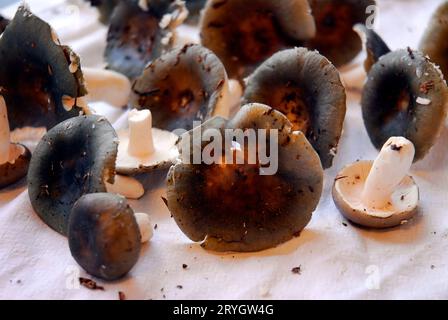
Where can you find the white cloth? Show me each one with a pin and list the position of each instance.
(336, 261)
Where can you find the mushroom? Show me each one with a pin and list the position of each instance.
(104, 235)
(3, 23)
(306, 87)
(40, 79)
(14, 158)
(185, 85)
(234, 207)
(433, 42)
(379, 194)
(245, 33)
(143, 148)
(74, 158)
(139, 32)
(405, 95)
(335, 37)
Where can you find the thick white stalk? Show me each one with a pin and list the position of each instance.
(388, 171)
(128, 187)
(141, 142)
(5, 140)
(145, 226)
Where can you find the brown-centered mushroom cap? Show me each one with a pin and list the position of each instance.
(434, 42)
(306, 87)
(245, 33)
(232, 207)
(75, 158)
(40, 79)
(185, 85)
(405, 95)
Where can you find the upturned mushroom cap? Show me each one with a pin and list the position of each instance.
(405, 95)
(137, 36)
(306, 87)
(40, 79)
(74, 158)
(185, 85)
(335, 38)
(245, 33)
(231, 207)
(104, 236)
(3, 23)
(434, 42)
(347, 191)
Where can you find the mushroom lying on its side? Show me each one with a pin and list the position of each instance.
(379, 194)
(185, 85)
(245, 33)
(14, 158)
(306, 87)
(234, 207)
(141, 32)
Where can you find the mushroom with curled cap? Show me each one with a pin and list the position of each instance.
(245, 33)
(379, 194)
(306, 87)
(74, 158)
(140, 32)
(185, 85)
(233, 207)
(105, 235)
(14, 158)
(434, 42)
(335, 37)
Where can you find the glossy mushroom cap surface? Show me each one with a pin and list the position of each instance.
(335, 38)
(405, 95)
(434, 42)
(232, 207)
(347, 191)
(74, 158)
(185, 85)
(137, 36)
(306, 87)
(104, 236)
(40, 79)
(245, 33)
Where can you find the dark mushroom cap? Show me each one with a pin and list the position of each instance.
(405, 96)
(434, 42)
(306, 87)
(3, 23)
(13, 172)
(232, 207)
(245, 33)
(335, 38)
(105, 8)
(35, 77)
(74, 158)
(182, 86)
(103, 235)
(135, 35)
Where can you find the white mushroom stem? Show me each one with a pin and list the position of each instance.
(388, 171)
(5, 140)
(141, 142)
(128, 187)
(107, 86)
(145, 226)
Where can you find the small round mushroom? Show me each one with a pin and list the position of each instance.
(379, 194)
(143, 148)
(74, 158)
(245, 33)
(306, 87)
(233, 207)
(434, 42)
(3, 23)
(140, 32)
(185, 85)
(40, 79)
(14, 158)
(335, 38)
(405, 95)
(104, 235)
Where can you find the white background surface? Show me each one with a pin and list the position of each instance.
(337, 261)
